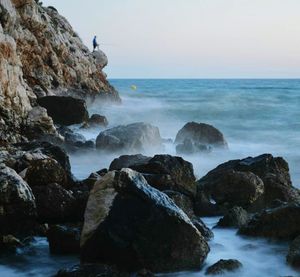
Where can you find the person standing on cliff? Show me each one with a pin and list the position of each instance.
(95, 43)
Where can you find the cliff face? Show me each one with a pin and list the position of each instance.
(40, 54)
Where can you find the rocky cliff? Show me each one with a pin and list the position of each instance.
(40, 54)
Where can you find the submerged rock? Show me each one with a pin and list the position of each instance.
(278, 223)
(293, 256)
(17, 203)
(65, 110)
(98, 120)
(223, 266)
(131, 224)
(199, 137)
(134, 137)
(235, 217)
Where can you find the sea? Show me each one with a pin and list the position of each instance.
(255, 116)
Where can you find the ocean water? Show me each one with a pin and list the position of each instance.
(255, 116)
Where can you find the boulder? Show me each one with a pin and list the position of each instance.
(235, 217)
(64, 239)
(223, 266)
(98, 120)
(199, 137)
(56, 204)
(9, 244)
(17, 204)
(202, 228)
(100, 58)
(278, 223)
(46, 171)
(293, 256)
(134, 137)
(92, 270)
(252, 183)
(133, 225)
(65, 110)
(127, 161)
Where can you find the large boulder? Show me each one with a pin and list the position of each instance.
(134, 137)
(198, 137)
(293, 256)
(164, 172)
(65, 110)
(235, 217)
(131, 224)
(252, 183)
(17, 203)
(278, 223)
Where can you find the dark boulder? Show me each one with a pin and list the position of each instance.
(224, 266)
(92, 270)
(198, 137)
(56, 204)
(252, 183)
(134, 137)
(293, 256)
(46, 171)
(127, 161)
(235, 217)
(65, 110)
(64, 239)
(202, 228)
(278, 223)
(18, 209)
(133, 225)
(188, 146)
(9, 244)
(98, 120)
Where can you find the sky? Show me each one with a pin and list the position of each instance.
(191, 38)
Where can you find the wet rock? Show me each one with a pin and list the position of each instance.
(92, 270)
(134, 137)
(56, 204)
(92, 179)
(223, 266)
(202, 228)
(293, 256)
(9, 243)
(98, 120)
(278, 223)
(252, 183)
(46, 171)
(127, 161)
(235, 217)
(64, 239)
(17, 203)
(199, 137)
(131, 224)
(65, 110)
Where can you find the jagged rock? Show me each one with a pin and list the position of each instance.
(203, 229)
(64, 239)
(56, 205)
(134, 137)
(279, 223)
(65, 110)
(252, 183)
(46, 171)
(199, 137)
(92, 270)
(223, 266)
(17, 203)
(100, 58)
(235, 217)
(131, 224)
(293, 256)
(98, 120)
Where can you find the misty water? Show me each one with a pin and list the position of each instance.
(255, 116)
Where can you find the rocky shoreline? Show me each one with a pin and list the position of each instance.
(141, 215)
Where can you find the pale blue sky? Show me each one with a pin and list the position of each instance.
(191, 38)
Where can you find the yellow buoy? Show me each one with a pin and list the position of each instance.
(133, 87)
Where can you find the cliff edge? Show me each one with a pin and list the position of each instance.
(40, 55)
